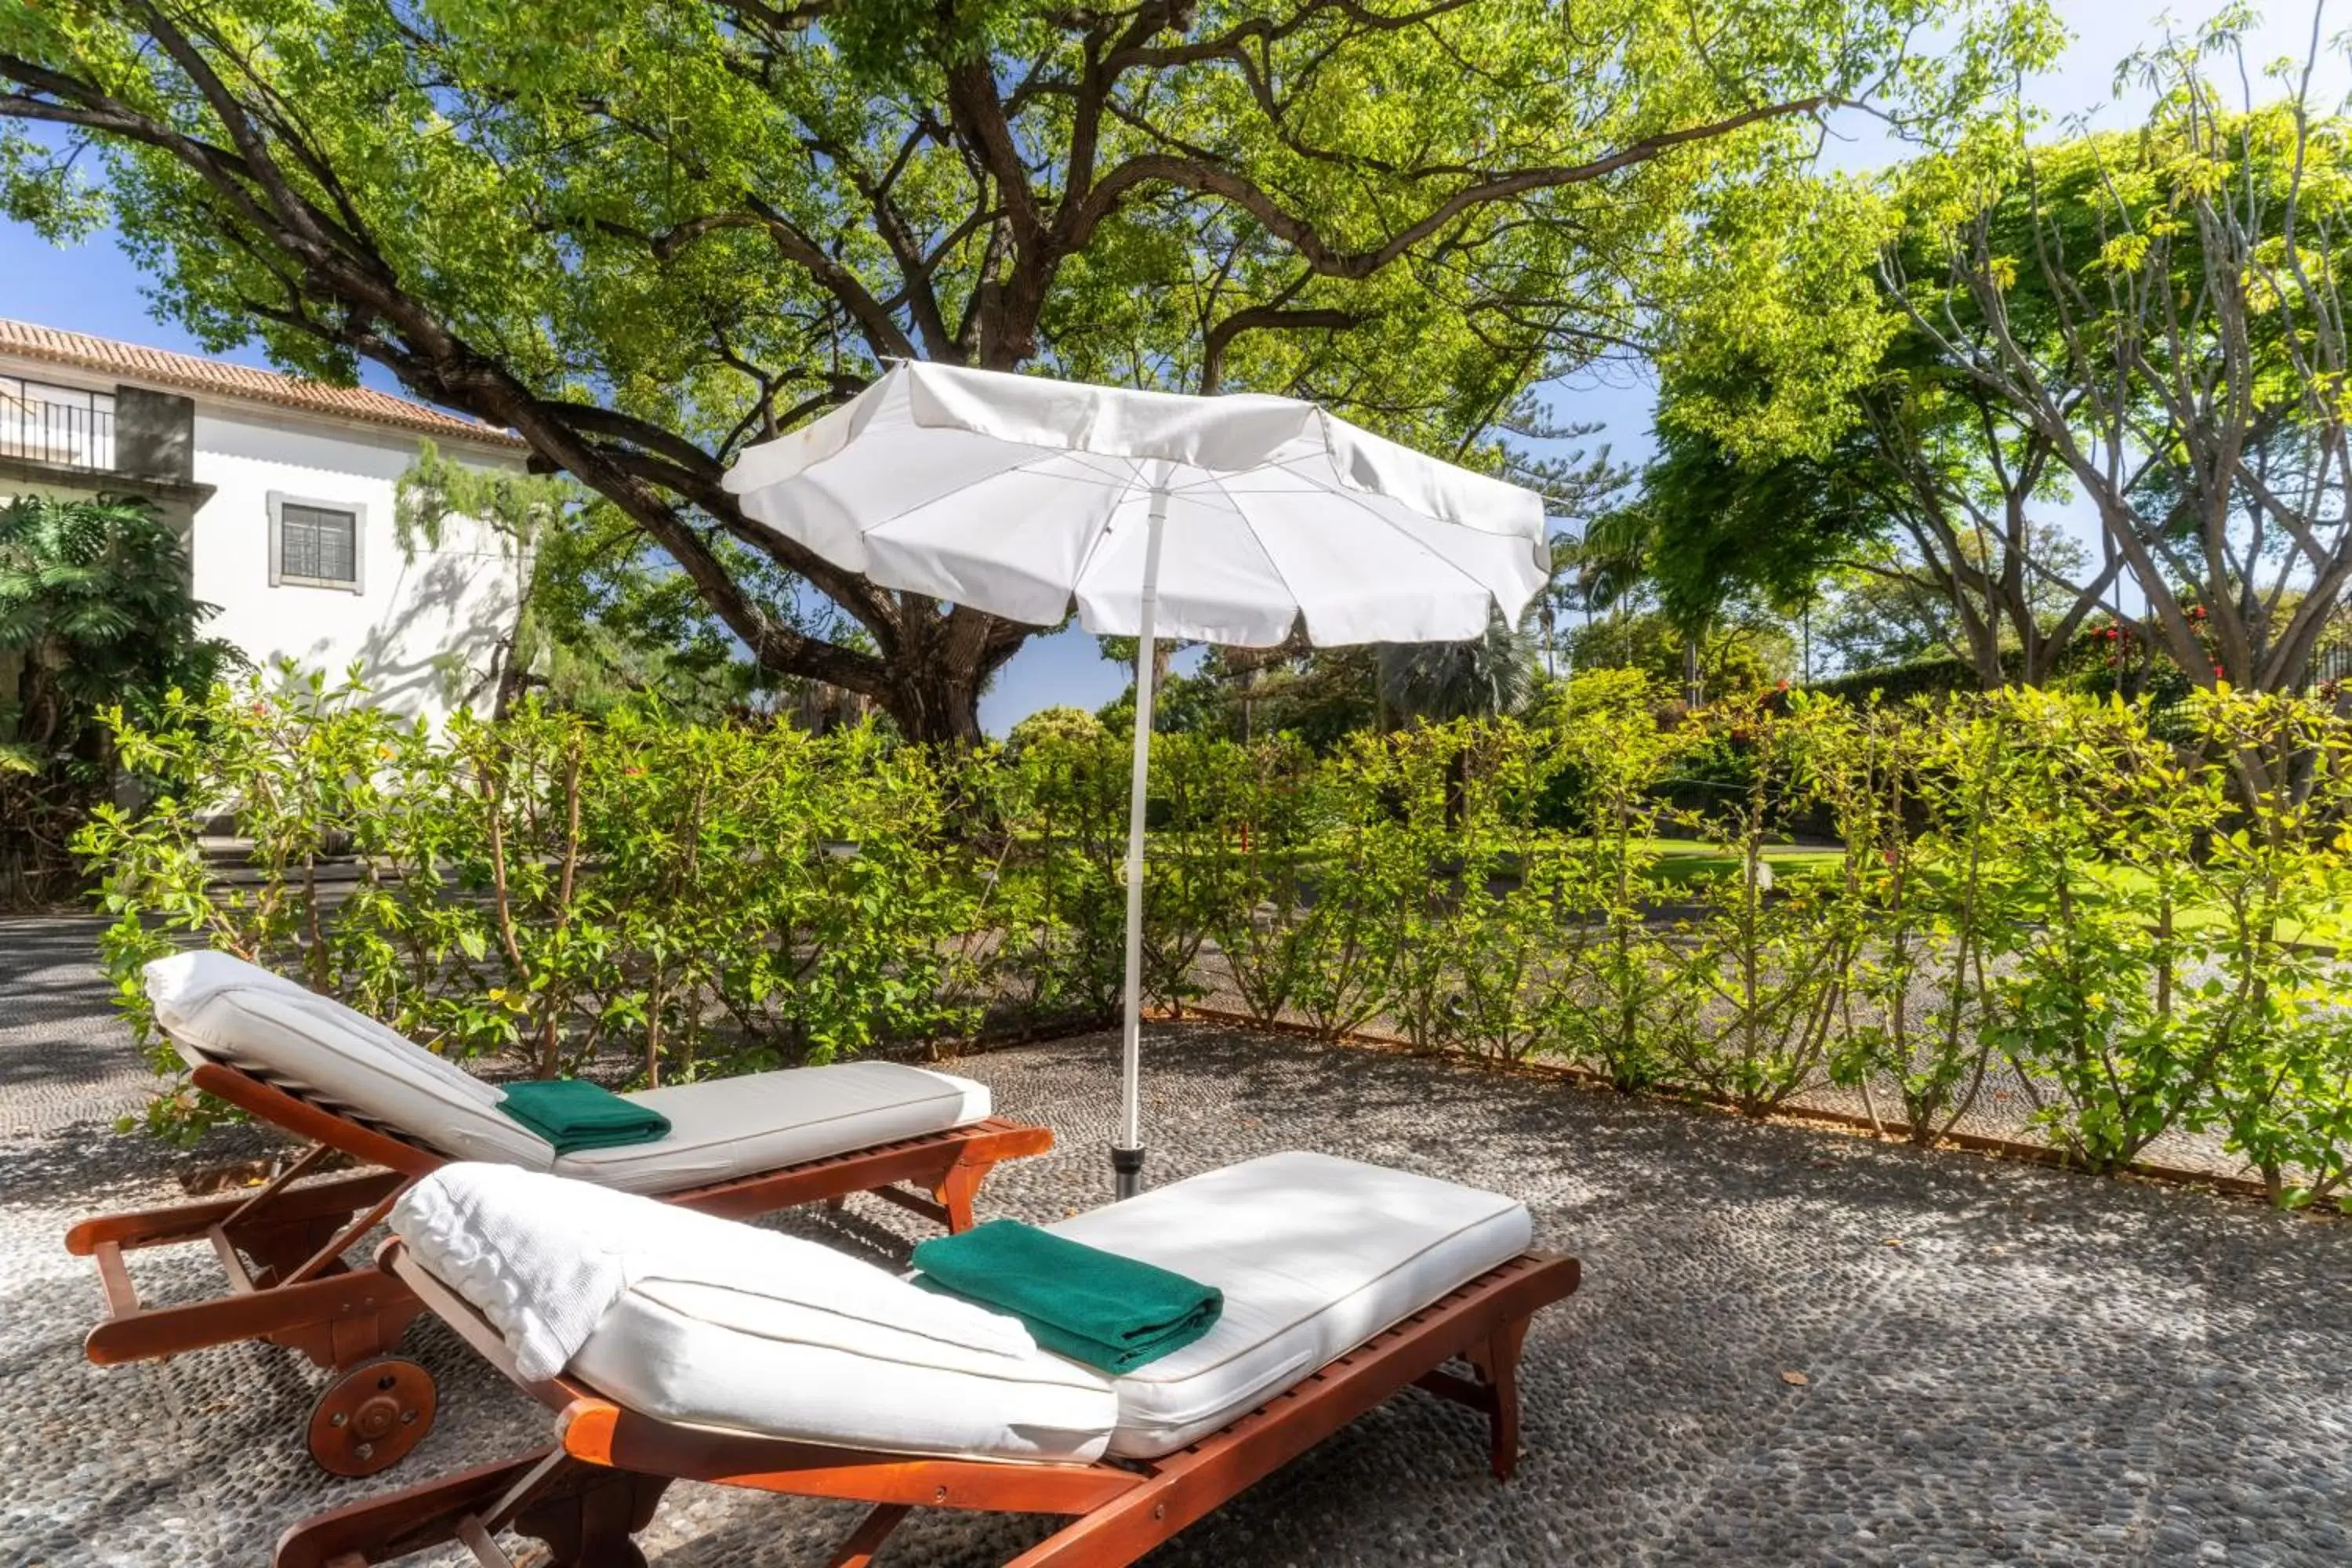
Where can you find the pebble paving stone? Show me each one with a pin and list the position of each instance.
(2001, 1363)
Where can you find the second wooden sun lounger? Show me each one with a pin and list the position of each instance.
(356, 1092)
(1344, 1284)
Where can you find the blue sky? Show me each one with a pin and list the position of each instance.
(93, 288)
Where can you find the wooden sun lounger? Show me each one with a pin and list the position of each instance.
(587, 1496)
(284, 1248)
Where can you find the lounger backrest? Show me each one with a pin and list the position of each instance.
(220, 1008)
(687, 1317)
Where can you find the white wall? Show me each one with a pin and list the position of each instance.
(423, 632)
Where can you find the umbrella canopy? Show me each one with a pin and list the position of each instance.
(1225, 520)
(1016, 495)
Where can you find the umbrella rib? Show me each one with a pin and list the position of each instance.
(1249, 529)
(1102, 528)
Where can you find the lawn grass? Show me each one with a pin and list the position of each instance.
(1682, 860)
(1679, 861)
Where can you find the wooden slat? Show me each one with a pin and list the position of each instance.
(1460, 1390)
(313, 1124)
(914, 1201)
(597, 1430)
(343, 1240)
(858, 1551)
(924, 1161)
(239, 1281)
(114, 1278)
(426, 1515)
(392, 1259)
(476, 1539)
(301, 1167)
(339, 1194)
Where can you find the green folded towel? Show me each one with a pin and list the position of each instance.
(573, 1115)
(1111, 1312)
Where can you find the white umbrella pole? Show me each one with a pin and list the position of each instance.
(1127, 1154)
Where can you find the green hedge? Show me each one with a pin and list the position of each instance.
(1942, 676)
(2086, 666)
(2146, 929)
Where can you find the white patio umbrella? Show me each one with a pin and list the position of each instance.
(1224, 520)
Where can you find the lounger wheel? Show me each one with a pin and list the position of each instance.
(370, 1416)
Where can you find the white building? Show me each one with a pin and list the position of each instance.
(285, 491)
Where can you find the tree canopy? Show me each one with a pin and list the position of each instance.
(644, 236)
(1926, 495)
(598, 619)
(2152, 321)
(2162, 315)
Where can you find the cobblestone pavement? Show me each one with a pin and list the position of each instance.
(2002, 1364)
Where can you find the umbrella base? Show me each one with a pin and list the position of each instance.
(1126, 1170)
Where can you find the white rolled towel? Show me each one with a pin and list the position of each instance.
(543, 1257)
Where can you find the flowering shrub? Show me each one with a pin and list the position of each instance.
(1914, 992)
(1770, 971)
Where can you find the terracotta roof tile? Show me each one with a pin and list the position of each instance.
(188, 372)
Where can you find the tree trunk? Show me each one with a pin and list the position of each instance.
(933, 666)
(508, 679)
(935, 702)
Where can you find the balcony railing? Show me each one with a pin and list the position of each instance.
(57, 426)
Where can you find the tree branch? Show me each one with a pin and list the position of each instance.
(1206, 179)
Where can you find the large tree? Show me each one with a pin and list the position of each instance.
(1895, 606)
(642, 236)
(2159, 318)
(2151, 323)
(1932, 492)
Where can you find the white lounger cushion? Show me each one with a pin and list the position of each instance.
(545, 1259)
(217, 1006)
(1316, 1255)
(713, 1357)
(693, 1318)
(724, 1127)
